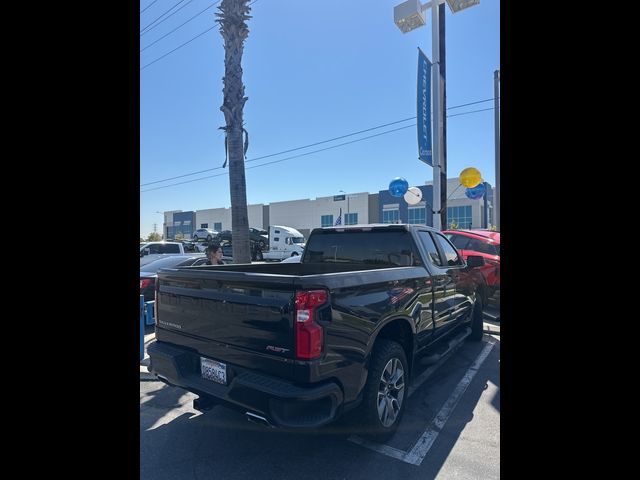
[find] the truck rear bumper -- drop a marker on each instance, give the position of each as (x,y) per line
(281,402)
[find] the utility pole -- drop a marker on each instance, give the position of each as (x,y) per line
(437,118)
(496,112)
(443,144)
(155,227)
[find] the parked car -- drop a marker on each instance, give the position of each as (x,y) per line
(227,251)
(261,237)
(485,243)
(149,272)
(207,234)
(152,251)
(224,236)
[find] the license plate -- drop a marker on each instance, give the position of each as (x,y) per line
(214,371)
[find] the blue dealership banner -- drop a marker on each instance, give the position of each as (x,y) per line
(424,109)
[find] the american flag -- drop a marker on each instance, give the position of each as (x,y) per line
(339,219)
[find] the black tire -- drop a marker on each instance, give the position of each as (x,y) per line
(388,360)
(208,238)
(294,254)
(477,322)
(259,257)
(195,238)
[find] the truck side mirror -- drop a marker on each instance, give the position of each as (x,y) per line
(475,261)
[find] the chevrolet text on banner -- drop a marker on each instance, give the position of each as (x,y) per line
(424,109)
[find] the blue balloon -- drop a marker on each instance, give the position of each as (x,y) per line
(398,187)
(475,192)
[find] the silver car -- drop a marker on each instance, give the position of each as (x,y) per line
(207,234)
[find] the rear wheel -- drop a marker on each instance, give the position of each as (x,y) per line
(385,390)
(195,238)
(208,238)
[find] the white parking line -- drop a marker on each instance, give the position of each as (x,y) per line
(416,455)
(424,443)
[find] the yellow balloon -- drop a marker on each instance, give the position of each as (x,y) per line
(470,177)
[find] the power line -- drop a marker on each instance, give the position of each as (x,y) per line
(167,17)
(167,34)
(142,11)
(285,151)
(472,111)
(200,34)
(471,103)
(318,143)
(185,43)
(283,159)
(289,158)
(174,6)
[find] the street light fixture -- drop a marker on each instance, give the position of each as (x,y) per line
(409,16)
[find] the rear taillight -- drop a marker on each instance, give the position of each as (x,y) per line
(309,335)
(145,282)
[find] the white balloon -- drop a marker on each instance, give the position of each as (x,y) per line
(413,195)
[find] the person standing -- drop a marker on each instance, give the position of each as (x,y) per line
(214,254)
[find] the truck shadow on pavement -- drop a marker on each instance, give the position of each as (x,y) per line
(178,442)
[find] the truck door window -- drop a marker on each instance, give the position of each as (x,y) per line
(154,248)
(430,247)
(170,248)
(451,255)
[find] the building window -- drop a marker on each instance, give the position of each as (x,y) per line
(418,214)
(351,219)
(460,216)
(326,221)
(204,225)
(217,226)
(390,214)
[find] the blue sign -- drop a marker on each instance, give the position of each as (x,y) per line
(424,109)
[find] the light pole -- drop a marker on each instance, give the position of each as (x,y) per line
(496,112)
(409,16)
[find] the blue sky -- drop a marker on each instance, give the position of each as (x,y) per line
(313,70)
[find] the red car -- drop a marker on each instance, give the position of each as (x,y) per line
(485,243)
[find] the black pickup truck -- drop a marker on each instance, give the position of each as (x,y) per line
(298,344)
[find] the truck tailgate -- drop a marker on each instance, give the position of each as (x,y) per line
(250,311)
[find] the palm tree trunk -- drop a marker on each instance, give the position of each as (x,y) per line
(233,27)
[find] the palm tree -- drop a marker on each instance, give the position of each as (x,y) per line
(233,27)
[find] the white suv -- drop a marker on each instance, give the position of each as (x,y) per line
(204,233)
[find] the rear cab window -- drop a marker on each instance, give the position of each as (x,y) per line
(387,248)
